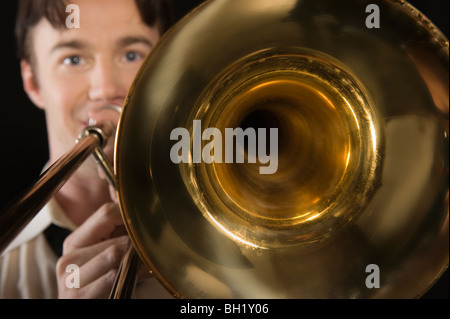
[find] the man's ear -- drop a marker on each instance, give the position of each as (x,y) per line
(30,84)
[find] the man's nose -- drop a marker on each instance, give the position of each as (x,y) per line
(106,86)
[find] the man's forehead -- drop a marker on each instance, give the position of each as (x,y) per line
(101,16)
(89,36)
(108,12)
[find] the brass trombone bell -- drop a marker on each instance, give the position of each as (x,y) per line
(362,178)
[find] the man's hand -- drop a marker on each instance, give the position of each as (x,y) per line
(96,247)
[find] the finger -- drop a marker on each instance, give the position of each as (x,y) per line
(101,287)
(94,263)
(83,255)
(108,259)
(98,289)
(98,227)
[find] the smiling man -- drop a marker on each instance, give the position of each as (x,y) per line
(75,75)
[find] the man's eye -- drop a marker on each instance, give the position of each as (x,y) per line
(72,60)
(132,56)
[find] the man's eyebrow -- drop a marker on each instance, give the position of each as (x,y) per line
(133,40)
(76,44)
(71,44)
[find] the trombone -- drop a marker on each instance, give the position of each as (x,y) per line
(362,179)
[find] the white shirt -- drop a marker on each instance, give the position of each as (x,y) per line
(28,264)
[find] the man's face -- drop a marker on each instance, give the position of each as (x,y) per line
(78,71)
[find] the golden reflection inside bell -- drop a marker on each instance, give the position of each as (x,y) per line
(313,144)
(322,119)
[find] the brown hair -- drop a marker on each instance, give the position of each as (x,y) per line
(30,12)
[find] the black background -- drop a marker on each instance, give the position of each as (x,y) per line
(23,140)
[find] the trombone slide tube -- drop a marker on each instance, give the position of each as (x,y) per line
(18,214)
